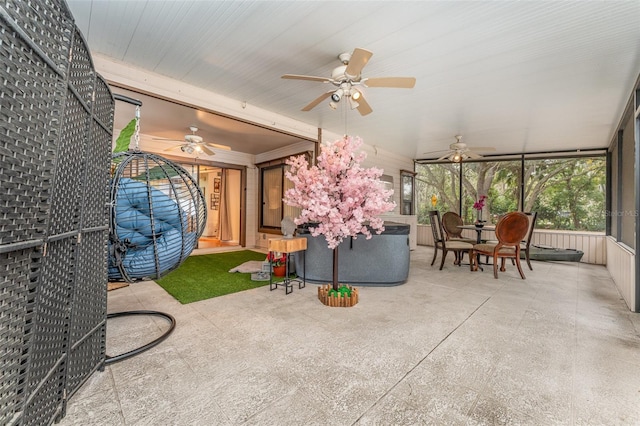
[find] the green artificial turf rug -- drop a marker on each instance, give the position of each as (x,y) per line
(205,276)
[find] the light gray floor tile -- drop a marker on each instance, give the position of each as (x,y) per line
(490,412)
(447,347)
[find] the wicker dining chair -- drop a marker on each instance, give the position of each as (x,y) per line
(440,242)
(450,223)
(510,231)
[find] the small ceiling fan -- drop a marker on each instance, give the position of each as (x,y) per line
(347,77)
(459,151)
(194,144)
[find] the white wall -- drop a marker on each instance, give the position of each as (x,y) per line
(621,262)
(252,207)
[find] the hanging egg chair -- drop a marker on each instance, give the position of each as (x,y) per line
(157,215)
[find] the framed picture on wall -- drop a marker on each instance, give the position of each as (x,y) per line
(216,185)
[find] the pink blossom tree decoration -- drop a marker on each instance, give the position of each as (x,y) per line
(338,196)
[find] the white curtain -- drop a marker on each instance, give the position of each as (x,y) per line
(292,212)
(226,231)
(272,197)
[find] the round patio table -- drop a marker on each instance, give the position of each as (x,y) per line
(478,230)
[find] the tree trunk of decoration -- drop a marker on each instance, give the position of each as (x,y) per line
(335,269)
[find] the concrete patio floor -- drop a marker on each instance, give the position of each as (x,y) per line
(448,347)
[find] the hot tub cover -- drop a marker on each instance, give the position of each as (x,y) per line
(390,228)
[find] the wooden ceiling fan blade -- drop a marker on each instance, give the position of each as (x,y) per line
(316,101)
(172,148)
(363,106)
(206,150)
(307,77)
(436,151)
(444,157)
(395,82)
(482,148)
(358,60)
(473,155)
(216,145)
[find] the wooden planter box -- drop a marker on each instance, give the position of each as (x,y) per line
(337,300)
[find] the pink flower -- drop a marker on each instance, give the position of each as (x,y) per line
(337,193)
(479,205)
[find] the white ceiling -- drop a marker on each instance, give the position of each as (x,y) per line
(519,76)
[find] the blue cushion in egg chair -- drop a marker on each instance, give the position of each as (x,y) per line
(150,230)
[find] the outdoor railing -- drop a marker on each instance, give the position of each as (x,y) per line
(593,244)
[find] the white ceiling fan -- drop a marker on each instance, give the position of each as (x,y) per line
(347,78)
(459,151)
(194,144)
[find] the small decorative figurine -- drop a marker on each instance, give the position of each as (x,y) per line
(288,227)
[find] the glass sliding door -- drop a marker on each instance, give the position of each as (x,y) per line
(222,189)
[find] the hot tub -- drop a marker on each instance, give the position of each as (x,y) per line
(381,261)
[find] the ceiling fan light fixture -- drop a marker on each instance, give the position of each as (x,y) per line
(456,157)
(353,103)
(337,95)
(349,74)
(187,148)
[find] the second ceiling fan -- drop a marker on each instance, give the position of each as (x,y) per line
(194,144)
(459,151)
(347,77)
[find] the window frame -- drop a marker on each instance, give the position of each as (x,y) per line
(594,153)
(407,178)
(271,165)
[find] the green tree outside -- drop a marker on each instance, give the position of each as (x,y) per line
(567,193)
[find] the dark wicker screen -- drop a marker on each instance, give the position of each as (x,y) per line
(56,120)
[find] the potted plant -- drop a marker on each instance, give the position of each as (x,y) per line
(338,197)
(278,263)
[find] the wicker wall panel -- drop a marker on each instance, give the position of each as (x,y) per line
(95,210)
(48,23)
(49,341)
(54,168)
(70,155)
(103,104)
(88,320)
(45,405)
(16,317)
(29,114)
(81,74)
